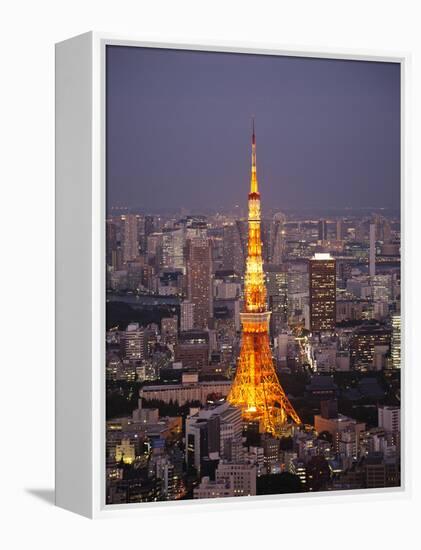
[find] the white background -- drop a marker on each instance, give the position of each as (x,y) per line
(29,30)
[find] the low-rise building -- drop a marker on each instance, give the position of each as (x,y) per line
(189,390)
(213,489)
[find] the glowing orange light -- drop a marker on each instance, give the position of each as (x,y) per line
(256,388)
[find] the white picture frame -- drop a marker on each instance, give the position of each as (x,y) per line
(80,275)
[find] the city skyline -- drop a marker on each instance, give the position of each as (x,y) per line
(248,351)
(335,144)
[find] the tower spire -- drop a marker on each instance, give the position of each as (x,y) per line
(254,188)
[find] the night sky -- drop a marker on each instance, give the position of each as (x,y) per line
(179,125)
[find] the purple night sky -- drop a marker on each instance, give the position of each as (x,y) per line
(179,130)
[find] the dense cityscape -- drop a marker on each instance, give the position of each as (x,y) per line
(178,303)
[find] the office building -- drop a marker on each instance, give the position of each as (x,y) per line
(132,342)
(188,390)
(233,248)
(322,282)
(363,343)
(240,477)
(213,432)
(202,440)
(277,293)
(213,489)
(322,230)
(389,418)
(169,329)
(339,230)
(186,315)
(192,349)
(173,241)
(336,425)
(130,237)
(199,280)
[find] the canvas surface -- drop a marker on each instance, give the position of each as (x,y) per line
(253,275)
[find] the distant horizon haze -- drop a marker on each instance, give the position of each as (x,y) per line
(179,131)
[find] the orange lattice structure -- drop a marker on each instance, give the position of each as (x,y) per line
(256,388)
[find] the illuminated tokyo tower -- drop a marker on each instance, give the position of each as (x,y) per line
(256,388)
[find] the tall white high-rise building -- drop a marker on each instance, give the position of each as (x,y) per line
(339,230)
(133,342)
(389,418)
(322,230)
(173,241)
(154,244)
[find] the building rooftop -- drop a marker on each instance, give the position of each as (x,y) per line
(322,256)
(321,381)
(339,418)
(180,386)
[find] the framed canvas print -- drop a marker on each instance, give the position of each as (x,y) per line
(230,306)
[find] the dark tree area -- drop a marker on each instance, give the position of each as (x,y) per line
(306,410)
(119,405)
(278,484)
(294,384)
(122,398)
(170,409)
(362,411)
(121,314)
(354,394)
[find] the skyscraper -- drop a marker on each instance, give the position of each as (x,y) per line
(273,239)
(322,278)
(277,290)
(199,280)
(130,237)
(154,248)
(111,239)
(322,230)
(339,230)
(114,254)
(364,341)
(173,248)
(193,349)
(256,389)
(389,418)
(133,342)
(232,248)
(149,225)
